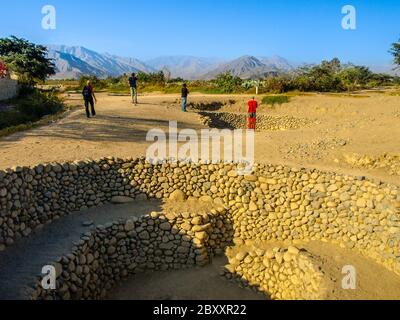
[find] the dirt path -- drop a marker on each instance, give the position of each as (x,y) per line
(119,130)
(20,263)
(190,284)
(364,125)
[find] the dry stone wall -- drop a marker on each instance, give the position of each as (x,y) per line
(281,273)
(274,203)
(114,251)
(223,120)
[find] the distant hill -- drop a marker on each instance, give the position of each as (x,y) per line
(277,62)
(74,61)
(71,67)
(388,68)
(186,67)
(77,61)
(246,67)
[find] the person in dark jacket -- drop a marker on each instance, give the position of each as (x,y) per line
(185,93)
(90,98)
(133,86)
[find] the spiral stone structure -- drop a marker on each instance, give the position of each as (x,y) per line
(273,204)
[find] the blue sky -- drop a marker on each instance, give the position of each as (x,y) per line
(302,31)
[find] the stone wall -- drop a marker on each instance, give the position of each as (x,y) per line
(122,248)
(8,89)
(223,120)
(281,273)
(275,203)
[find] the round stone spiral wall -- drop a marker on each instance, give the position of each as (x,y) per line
(274,203)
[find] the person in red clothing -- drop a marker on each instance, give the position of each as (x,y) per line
(252,114)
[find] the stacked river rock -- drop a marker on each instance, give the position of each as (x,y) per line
(225,120)
(274,203)
(281,273)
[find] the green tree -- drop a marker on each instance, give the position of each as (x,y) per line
(395,51)
(96,82)
(28,60)
(323,77)
(152,77)
(355,77)
(227,82)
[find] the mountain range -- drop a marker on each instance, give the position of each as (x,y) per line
(186,67)
(73,62)
(250,67)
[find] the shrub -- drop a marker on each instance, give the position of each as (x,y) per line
(98,84)
(273,100)
(276,84)
(30,108)
(228,83)
(39,104)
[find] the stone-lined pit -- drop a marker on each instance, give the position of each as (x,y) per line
(223,120)
(275,203)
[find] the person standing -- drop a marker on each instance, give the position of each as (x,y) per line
(185,93)
(252,111)
(89,98)
(133,86)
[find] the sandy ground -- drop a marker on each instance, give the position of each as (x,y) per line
(20,263)
(190,284)
(373,282)
(368,123)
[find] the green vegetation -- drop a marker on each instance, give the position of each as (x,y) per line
(395,51)
(329,76)
(29,108)
(32,106)
(153,82)
(31,125)
(273,100)
(28,60)
(227,83)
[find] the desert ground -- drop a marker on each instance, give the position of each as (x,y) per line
(356,134)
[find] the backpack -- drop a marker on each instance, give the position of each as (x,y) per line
(87,92)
